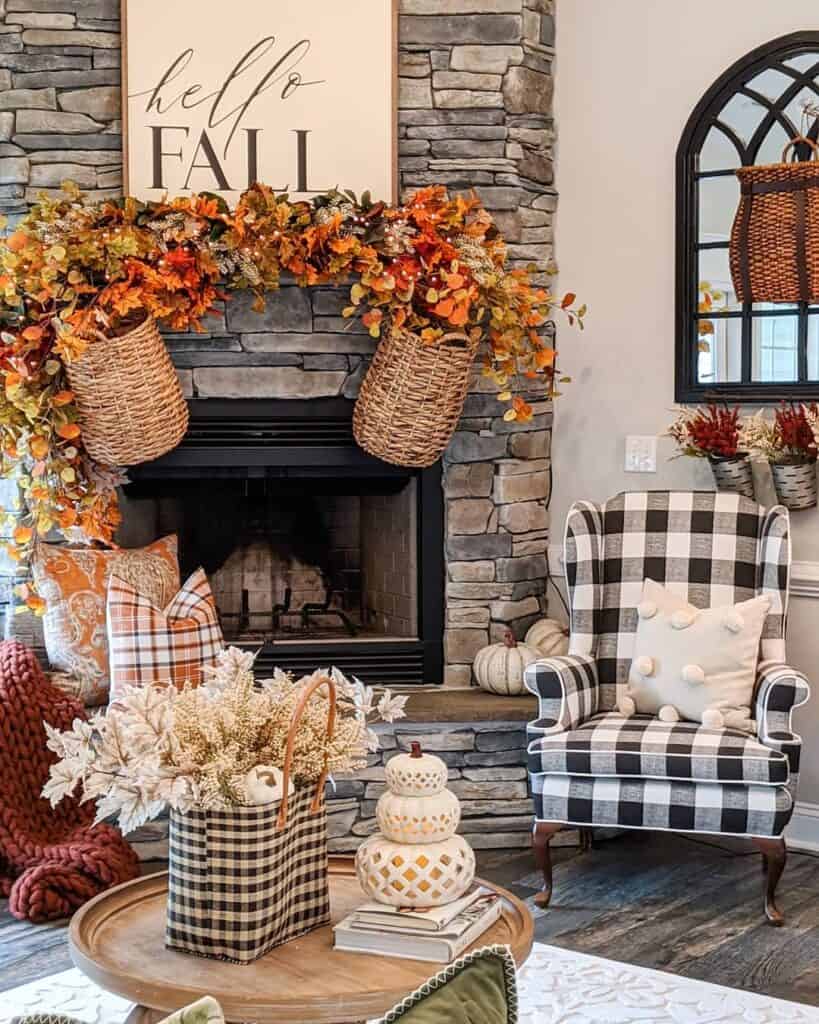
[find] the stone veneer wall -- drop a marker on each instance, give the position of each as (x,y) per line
(486,772)
(475,111)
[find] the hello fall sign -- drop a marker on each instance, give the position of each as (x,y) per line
(298,94)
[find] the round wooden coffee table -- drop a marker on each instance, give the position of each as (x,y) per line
(117,940)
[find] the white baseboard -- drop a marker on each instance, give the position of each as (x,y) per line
(802,832)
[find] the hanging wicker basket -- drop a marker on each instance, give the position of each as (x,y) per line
(412,397)
(774,251)
(130,402)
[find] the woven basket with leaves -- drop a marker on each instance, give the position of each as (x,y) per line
(774,250)
(412,397)
(130,402)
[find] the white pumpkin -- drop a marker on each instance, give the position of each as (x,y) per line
(264,784)
(418,819)
(415,773)
(550,637)
(499,667)
(420,875)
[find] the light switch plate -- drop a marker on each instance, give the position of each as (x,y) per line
(641,453)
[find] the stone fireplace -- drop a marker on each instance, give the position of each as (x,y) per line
(474,112)
(475,104)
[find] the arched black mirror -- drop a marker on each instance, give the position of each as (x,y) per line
(754,352)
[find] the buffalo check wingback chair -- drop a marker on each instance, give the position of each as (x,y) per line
(590,766)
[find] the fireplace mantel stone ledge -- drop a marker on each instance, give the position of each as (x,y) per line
(443,704)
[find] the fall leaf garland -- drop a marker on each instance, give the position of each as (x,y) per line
(72,273)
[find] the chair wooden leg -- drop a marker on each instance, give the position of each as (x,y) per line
(541,837)
(774,854)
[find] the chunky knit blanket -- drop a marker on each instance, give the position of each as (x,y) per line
(52,860)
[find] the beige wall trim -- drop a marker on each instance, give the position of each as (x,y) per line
(556,566)
(802,832)
(805,579)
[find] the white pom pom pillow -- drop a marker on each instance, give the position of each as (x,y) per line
(695,664)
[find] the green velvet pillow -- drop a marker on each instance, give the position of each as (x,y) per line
(477,989)
(203,1011)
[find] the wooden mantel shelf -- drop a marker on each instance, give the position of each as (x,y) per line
(474,705)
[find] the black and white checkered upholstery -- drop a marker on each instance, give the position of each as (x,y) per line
(567,689)
(711,549)
(610,744)
(237,886)
(662,804)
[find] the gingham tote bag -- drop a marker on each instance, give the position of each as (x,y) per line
(247,879)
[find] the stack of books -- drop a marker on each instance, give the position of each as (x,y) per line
(439,934)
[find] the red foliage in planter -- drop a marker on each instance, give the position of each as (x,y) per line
(794,434)
(714,431)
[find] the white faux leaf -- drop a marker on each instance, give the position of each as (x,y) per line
(62,781)
(391,706)
(56,740)
(364,699)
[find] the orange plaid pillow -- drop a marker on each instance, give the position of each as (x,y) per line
(73,582)
(148,644)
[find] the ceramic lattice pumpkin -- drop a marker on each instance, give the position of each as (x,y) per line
(418,819)
(499,667)
(416,807)
(415,773)
(416,860)
(415,875)
(549,637)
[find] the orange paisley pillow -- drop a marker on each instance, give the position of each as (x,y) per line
(74,582)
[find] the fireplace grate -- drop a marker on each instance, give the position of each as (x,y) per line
(220,433)
(382,664)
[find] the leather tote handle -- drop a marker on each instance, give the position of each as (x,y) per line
(291,743)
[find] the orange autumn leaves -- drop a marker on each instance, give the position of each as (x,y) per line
(70,273)
(73,273)
(442,268)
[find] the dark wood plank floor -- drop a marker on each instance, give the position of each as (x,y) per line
(658,900)
(668,902)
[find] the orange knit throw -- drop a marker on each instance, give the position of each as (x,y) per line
(52,860)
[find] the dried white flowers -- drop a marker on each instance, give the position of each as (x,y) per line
(194,747)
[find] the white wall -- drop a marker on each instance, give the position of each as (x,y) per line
(629,73)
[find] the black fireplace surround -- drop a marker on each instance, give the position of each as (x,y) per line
(241,460)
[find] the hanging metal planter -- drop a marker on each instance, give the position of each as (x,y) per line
(733,473)
(795,483)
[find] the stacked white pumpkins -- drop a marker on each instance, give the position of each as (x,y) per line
(416,860)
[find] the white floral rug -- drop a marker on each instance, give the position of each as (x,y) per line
(556,987)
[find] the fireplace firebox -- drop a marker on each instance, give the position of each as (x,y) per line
(318,554)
